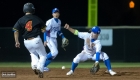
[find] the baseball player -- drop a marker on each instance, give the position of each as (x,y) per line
(30,26)
(53,28)
(91,51)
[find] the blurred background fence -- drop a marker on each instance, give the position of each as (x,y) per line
(121,43)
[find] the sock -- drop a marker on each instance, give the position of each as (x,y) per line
(74,65)
(107,63)
(97,56)
(48,60)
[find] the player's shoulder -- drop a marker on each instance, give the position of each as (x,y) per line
(30,16)
(49,20)
(21,19)
(84,32)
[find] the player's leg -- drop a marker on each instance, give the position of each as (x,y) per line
(105,58)
(34,61)
(81,57)
(48,60)
(36,46)
(40,49)
(52,44)
(107,63)
(33,54)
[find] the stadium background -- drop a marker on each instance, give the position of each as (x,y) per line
(111,13)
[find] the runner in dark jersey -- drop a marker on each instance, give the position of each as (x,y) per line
(31,26)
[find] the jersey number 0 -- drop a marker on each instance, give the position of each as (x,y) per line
(29,26)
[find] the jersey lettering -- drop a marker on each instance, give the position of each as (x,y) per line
(28,26)
(54,29)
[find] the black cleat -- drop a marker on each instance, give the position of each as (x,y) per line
(40,74)
(35,71)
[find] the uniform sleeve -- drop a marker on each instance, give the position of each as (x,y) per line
(60,32)
(82,35)
(98,46)
(17,26)
(60,26)
(48,24)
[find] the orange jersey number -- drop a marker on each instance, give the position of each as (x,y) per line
(29,26)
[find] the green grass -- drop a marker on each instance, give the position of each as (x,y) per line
(68,64)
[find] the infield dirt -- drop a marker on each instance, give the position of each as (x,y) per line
(80,74)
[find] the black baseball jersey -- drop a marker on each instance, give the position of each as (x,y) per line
(29,26)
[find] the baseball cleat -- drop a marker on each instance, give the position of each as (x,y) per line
(112,73)
(46,69)
(69,73)
(40,74)
(35,71)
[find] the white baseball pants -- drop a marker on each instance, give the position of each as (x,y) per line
(83,56)
(52,44)
(36,48)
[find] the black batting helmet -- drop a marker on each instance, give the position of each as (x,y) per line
(28,7)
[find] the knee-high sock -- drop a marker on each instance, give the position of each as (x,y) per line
(97,56)
(74,65)
(107,63)
(48,60)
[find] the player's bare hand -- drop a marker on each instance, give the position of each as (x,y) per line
(43,30)
(66,26)
(17,45)
(45,43)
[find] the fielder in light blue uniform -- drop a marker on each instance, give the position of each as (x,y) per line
(53,28)
(91,51)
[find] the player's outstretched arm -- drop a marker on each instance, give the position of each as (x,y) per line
(74,31)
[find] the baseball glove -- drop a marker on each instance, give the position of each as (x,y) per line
(65,43)
(95,68)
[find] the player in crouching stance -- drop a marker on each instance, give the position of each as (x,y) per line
(92,50)
(53,28)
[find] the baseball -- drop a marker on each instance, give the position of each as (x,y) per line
(63,67)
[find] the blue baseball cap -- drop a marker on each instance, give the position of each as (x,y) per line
(96,30)
(55,10)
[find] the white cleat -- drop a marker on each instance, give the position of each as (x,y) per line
(112,73)
(69,73)
(46,69)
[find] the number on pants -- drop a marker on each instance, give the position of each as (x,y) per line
(29,26)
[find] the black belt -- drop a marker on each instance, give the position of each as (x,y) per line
(30,38)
